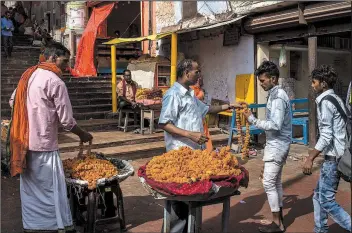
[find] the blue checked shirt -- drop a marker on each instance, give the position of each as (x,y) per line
(277,126)
(6,23)
(181,108)
(332,128)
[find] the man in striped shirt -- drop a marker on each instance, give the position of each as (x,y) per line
(331,144)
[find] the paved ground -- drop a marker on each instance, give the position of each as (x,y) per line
(144,214)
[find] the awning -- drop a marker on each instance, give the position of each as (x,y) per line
(215,25)
(137,39)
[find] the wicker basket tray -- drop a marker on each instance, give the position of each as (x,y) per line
(125,169)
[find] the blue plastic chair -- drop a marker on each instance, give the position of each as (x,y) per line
(300,121)
(253,130)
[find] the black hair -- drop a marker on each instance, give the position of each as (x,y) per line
(126,70)
(55,49)
(183,66)
(268,68)
(325,73)
(7,12)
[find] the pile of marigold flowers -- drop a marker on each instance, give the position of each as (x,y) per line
(186,165)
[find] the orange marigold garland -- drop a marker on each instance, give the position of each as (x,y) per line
(242,143)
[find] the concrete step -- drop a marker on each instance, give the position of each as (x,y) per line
(93,101)
(107,140)
(69,82)
(93,88)
(74,102)
(74,92)
(90,95)
(91,115)
(16,53)
(69,78)
(97,125)
(91,108)
(19,48)
(13,72)
(14,63)
(82,114)
(141,150)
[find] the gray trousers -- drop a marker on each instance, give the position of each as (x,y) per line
(8,44)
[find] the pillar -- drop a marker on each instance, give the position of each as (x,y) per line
(113,78)
(262,55)
(312,63)
(173,58)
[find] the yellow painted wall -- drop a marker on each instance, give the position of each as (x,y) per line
(245,88)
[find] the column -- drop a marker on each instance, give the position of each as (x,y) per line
(312,63)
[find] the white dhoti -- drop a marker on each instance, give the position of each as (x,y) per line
(45,205)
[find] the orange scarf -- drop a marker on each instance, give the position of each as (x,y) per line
(19,131)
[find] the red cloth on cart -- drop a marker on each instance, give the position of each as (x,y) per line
(197,188)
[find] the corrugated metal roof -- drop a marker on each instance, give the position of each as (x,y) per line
(197,25)
(222,23)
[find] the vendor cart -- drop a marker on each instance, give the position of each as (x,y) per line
(93,207)
(218,193)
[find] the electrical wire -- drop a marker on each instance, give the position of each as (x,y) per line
(130,24)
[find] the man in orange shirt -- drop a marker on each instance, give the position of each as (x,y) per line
(126,91)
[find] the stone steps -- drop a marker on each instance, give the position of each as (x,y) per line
(140,149)
(91,115)
(90,96)
(91,108)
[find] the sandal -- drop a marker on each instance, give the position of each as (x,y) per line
(271,228)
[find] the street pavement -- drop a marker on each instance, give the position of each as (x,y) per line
(248,210)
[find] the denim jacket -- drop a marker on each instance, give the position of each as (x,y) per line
(277,125)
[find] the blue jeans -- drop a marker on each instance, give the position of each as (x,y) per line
(324,200)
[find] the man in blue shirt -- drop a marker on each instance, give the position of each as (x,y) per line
(181,118)
(277,126)
(331,144)
(6,33)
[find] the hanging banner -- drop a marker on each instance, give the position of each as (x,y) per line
(84,65)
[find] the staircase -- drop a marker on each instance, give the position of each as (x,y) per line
(90,97)
(91,101)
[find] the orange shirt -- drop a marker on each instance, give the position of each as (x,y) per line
(129,91)
(198,92)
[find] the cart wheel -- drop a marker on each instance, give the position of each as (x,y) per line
(91,213)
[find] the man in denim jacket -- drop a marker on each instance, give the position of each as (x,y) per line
(331,144)
(278,128)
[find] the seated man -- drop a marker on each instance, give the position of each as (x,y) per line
(126,92)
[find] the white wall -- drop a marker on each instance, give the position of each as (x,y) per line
(220,64)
